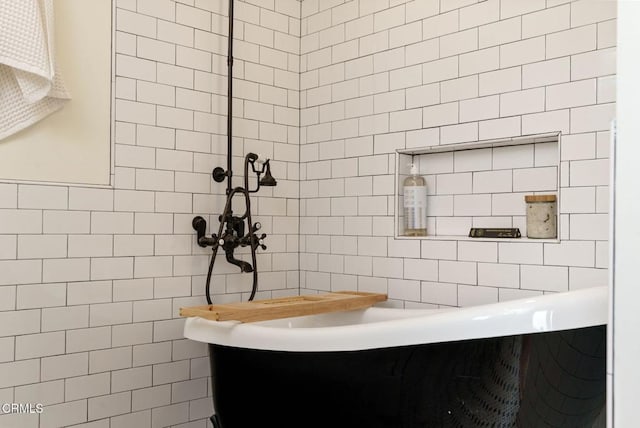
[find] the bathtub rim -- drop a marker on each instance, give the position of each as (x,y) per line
(551,312)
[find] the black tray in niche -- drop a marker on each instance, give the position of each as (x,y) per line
(483,232)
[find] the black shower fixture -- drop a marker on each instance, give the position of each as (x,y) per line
(235,230)
(268,179)
(219,174)
(231,233)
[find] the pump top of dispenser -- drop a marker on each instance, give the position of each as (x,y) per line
(413,169)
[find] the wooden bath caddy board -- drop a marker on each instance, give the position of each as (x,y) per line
(263,310)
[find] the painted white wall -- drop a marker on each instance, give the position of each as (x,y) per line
(626,293)
(91,279)
(73,145)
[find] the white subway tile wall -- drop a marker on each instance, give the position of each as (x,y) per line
(474,70)
(91,279)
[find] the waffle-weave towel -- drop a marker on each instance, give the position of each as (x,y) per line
(31,87)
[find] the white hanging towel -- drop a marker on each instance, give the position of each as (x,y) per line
(30,84)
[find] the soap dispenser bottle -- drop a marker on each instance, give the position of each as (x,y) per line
(415,204)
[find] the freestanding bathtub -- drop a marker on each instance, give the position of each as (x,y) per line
(537,362)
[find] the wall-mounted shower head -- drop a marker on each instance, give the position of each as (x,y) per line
(268,179)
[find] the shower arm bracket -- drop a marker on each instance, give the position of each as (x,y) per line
(219,174)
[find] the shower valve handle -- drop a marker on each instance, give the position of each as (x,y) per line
(261,241)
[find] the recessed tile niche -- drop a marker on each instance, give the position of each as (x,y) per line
(480,184)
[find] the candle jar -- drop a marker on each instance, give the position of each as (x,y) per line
(541,216)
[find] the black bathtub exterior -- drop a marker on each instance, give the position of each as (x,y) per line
(554,379)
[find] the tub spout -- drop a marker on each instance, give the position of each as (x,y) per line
(244,266)
(229,242)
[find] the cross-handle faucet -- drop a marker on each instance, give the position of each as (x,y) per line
(231,233)
(230,241)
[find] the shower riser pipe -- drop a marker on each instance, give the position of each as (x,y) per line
(230,98)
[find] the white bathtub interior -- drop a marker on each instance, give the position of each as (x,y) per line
(379,327)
